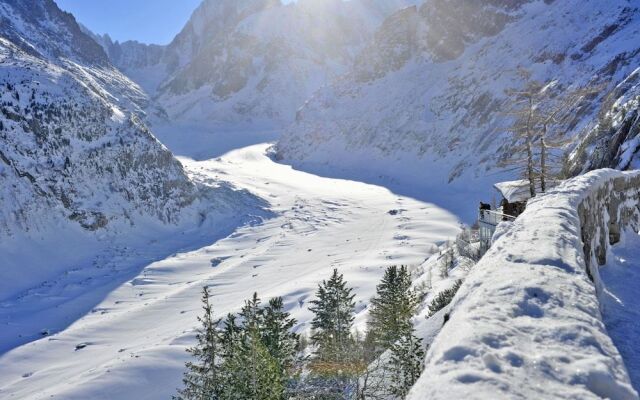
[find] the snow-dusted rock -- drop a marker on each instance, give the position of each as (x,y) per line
(251,61)
(73,143)
(614,141)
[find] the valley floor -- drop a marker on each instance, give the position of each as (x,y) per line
(132,344)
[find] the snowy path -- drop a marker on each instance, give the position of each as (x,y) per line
(131,346)
(620,303)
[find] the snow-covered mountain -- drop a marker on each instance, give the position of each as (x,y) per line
(72,137)
(429,90)
(77,161)
(251,61)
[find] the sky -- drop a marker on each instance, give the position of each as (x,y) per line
(147,21)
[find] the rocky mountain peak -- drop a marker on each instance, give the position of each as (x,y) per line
(39,26)
(233,60)
(74,148)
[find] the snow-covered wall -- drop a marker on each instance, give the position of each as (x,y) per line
(526,323)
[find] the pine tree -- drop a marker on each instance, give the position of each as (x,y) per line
(263,379)
(232,366)
(544,113)
(444,298)
(252,314)
(257,353)
(392,308)
(335,364)
(406,363)
(277,336)
(331,325)
(447,260)
(250,372)
(203,380)
(230,335)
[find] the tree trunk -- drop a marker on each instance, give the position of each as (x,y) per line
(543,162)
(530,172)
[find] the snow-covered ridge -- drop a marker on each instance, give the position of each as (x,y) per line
(526,323)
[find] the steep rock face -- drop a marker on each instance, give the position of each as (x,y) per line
(452,25)
(41,28)
(129,54)
(614,141)
(438,31)
(430,88)
(252,61)
(73,147)
(394,44)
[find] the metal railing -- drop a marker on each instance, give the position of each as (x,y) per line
(488,220)
(493,218)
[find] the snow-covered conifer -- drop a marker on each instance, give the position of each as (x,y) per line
(392,308)
(203,380)
(406,364)
(334,314)
(277,335)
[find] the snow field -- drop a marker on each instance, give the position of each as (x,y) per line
(131,344)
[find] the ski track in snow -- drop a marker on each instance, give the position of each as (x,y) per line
(132,344)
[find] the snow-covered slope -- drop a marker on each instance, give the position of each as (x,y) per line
(251,61)
(76,159)
(621,314)
(429,90)
(135,318)
(526,322)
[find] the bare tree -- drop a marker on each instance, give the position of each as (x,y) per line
(446,259)
(543,114)
(556,114)
(374,381)
(524,110)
